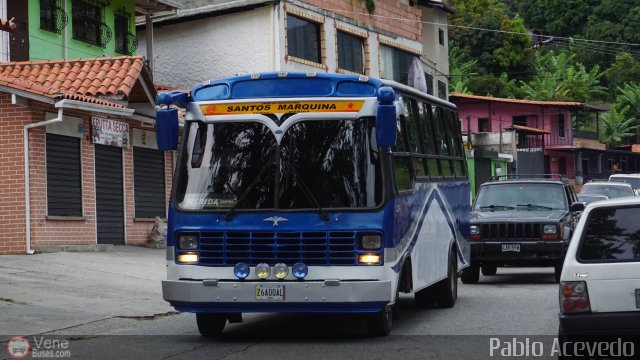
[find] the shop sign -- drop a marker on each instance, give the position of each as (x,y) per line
(109,132)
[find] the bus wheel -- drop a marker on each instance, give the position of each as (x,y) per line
(471,275)
(446,291)
(211,324)
(380,323)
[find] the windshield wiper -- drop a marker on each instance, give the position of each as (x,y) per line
(494,207)
(229,215)
(305,190)
(536,206)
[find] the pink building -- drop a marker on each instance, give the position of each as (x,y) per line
(546,139)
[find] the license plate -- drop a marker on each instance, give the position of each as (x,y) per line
(638,298)
(510,247)
(270,292)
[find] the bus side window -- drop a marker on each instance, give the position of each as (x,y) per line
(199,143)
(411,121)
(443,137)
(429,140)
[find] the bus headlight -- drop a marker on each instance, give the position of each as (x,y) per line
(371,242)
(188,258)
(280,270)
(299,270)
(241,270)
(369,259)
(263,271)
(188,242)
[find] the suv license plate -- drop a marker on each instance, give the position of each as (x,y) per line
(270,292)
(510,247)
(638,298)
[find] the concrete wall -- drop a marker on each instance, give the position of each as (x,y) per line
(45,231)
(192,51)
(436,57)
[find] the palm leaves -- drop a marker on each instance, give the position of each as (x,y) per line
(616,126)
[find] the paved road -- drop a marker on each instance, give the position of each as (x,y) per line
(514,304)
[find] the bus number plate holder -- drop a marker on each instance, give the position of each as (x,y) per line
(270,292)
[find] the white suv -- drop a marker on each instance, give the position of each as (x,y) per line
(631,179)
(600,280)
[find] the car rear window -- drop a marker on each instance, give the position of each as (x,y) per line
(612,191)
(611,235)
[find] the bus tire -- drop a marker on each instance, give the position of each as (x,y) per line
(211,324)
(471,274)
(381,322)
(446,291)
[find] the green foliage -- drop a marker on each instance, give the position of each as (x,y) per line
(461,71)
(559,78)
(490,85)
(495,51)
(371,6)
(629,98)
(624,70)
(615,126)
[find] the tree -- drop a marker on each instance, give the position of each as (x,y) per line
(629,98)
(616,126)
(460,71)
(559,78)
(490,85)
(624,70)
(495,51)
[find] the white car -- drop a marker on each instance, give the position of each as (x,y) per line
(609,189)
(631,179)
(600,280)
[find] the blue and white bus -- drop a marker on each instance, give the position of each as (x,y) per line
(311,192)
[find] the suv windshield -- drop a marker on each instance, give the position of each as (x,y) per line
(611,191)
(633,181)
(611,235)
(521,196)
(241,162)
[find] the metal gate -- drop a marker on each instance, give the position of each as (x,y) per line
(109,195)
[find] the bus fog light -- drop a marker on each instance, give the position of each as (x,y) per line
(188,242)
(188,258)
(263,271)
(299,270)
(371,242)
(280,270)
(241,270)
(369,259)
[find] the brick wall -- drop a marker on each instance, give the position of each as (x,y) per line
(393,16)
(12,205)
(45,231)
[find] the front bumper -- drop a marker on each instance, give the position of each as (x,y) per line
(299,296)
(530,251)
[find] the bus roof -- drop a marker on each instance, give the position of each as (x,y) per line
(299,85)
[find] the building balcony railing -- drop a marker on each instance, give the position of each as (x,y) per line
(554,139)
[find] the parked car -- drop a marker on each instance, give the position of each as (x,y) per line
(608,189)
(520,222)
(631,179)
(589,198)
(600,281)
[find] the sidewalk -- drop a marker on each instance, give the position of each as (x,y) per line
(46,292)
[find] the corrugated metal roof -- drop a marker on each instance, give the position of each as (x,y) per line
(454,96)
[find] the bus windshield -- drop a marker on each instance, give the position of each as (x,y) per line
(240,165)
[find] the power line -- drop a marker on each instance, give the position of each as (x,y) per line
(483,29)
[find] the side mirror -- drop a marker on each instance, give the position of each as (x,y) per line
(577,206)
(167,129)
(566,234)
(386,117)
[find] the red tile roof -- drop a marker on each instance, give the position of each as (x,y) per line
(529,130)
(78,79)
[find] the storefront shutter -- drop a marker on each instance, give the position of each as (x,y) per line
(148,180)
(64,178)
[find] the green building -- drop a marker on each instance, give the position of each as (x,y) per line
(68,29)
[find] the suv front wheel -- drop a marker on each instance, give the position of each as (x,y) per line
(471,275)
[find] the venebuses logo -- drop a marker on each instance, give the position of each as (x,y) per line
(18,347)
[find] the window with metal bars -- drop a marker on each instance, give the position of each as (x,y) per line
(48,15)
(88,22)
(121,30)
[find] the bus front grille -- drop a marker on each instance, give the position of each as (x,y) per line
(227,248)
